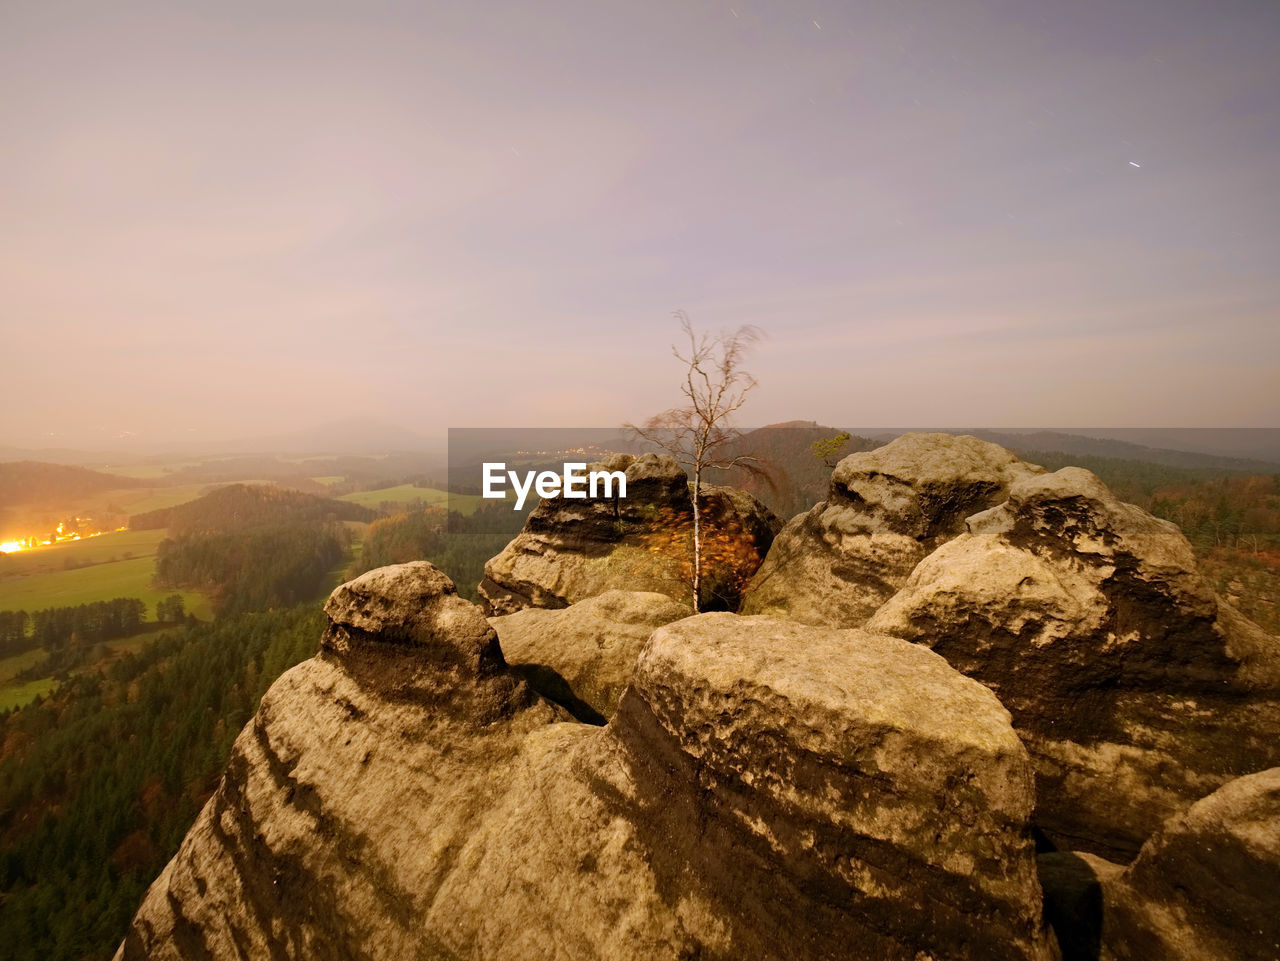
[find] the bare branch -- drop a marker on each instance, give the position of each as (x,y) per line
(716,387)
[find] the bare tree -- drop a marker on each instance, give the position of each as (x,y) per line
(698,432)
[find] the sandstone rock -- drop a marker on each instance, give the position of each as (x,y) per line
(885,511)
(1135,691)
(795,760)
(570,550)
(765,791)
(582,656)
(1206,886)
(410,604)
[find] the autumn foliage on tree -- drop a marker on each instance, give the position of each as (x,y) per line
(729,555)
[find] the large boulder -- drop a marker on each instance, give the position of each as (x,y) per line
(885,511)
(572,549)
(797,763)
(1136,691)
(765,790)
(1206,886)
(582,656)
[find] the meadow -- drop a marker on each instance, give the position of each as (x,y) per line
(150,471)
(118,564)
(11,667)
(143,499)
(405,494)
(17,695)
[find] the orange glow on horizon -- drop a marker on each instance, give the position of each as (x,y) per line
(35,543)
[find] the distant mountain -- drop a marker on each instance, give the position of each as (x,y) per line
(1248,443)
(794,477)
(93,459)
(353,436)
(343,437)
(1092,446)
(37,484)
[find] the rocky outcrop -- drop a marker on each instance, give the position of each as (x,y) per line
(885,511)
(582,656)
(1134,689)
(765,790)
(1206,887)
(572,549)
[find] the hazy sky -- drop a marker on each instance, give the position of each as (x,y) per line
(228,219)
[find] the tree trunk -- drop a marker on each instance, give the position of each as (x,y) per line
(697,539)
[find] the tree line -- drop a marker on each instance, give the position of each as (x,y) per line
(253,570)
(1214,508)
(56,627)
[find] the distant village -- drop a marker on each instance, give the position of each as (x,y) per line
(74,529)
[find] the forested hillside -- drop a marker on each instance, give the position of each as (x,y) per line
(458,544)
(253,570)
(1081,447)
(99,783)
(33,482)
(1210,505)
(787,472)
(243,506)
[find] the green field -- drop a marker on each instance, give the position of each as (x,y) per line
(19,694)
(11,667)
(407,493)
(127,500)
(119,564)
(101,582)
(145,499)
(16,694)
(49,577)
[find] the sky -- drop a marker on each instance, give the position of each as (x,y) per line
(235,219)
